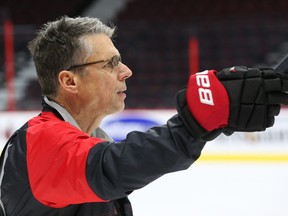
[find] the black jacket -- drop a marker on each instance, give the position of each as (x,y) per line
(49,167)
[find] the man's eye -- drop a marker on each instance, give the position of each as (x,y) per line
(109,65)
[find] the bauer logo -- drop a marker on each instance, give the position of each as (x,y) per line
(118,128)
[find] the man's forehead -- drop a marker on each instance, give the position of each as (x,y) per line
(102,45)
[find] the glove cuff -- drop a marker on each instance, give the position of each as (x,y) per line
(208,100)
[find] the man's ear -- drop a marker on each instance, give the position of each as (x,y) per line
(67,81)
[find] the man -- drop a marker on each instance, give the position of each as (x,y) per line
(62,163)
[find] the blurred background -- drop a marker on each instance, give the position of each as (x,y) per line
(163,42)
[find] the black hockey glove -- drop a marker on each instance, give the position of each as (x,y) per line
(234,99)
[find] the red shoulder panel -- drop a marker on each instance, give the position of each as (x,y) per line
(56,160)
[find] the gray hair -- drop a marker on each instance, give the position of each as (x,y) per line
(59,44)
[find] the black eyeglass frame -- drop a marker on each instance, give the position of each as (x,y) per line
(114,61)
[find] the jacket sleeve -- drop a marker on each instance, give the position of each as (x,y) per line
(114,170)
(66,166)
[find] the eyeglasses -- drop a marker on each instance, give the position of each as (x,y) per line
(113,62)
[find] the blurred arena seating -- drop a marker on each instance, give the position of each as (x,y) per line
(38,12)
(202,9)
(153,37)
